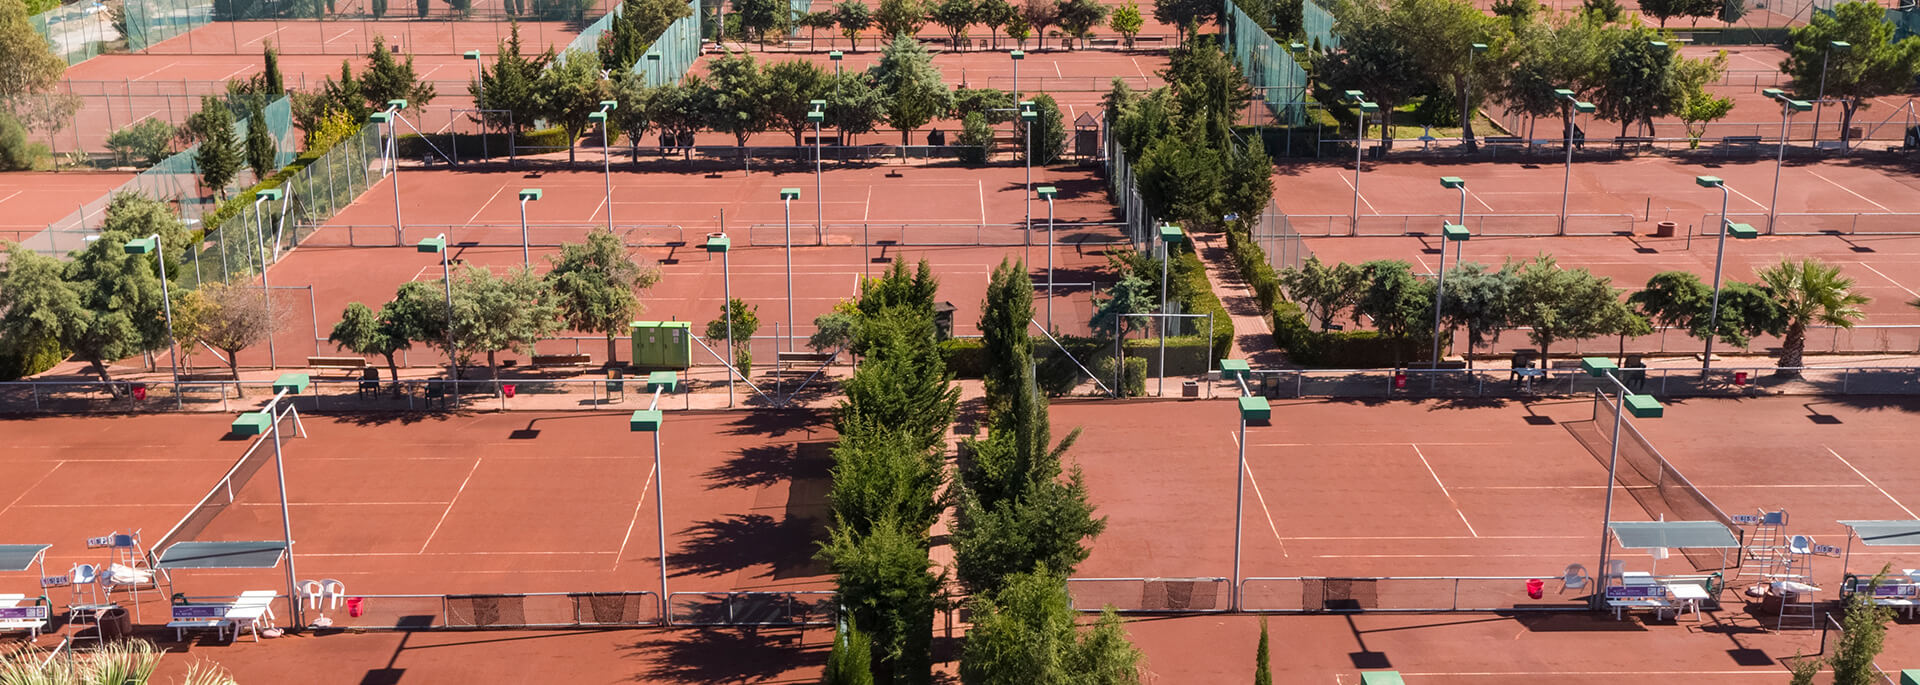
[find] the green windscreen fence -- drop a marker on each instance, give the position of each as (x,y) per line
(1277,80)
(76,32)
(152,21)
(247,241)
(674,52)
(589,38)
(1319,25)
(797,9)
(175,179)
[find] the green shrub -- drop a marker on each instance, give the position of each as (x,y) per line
(976,139)
(965,357)
(17,152)
(1187,355)
(144,143)
(1135,381)
(1196,296)
(18,361)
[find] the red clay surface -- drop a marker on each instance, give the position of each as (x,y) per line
(507,502)
(354,37)
(1432,489)
(32,199)
(691,287)
(1886,268)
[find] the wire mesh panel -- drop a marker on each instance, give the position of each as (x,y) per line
(1270,68)
(674,52)
(615,608)
(753,608)
(1318,23)
(1151,595)
(225,491)
(151,21)
(76,32)
(1409,594)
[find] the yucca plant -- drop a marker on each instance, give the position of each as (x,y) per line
(207,674)
(30,667)
(1810,291)
(117,663)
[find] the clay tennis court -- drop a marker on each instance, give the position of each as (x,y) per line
(506,502)
(963,221)
(31,199)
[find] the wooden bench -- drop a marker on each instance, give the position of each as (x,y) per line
(347,363)
(562,359)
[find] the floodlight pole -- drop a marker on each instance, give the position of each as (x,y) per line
(1719,257)
(787,196)
(606,155)
(1251,406)
(1787,107)
(166,302)
(266,287)
(1027,118)
(1606,513)
(286,516)
(1440,288)
(1049,261)
(526,251)
(1166,257)
(726,312)
(1573,105)
(818,115)
(660,508)
(1358,99)
(1820,100)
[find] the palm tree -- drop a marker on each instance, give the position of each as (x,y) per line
(1810,291)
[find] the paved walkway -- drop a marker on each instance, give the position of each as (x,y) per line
(1252,330)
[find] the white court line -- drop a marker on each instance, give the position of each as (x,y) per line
(982,187)
(1895,283)
(1367,444)
(1443,489)
(644,489)
(162,68)
(1869,481)
(1441,537)
(1476,198)
(1136,67)
(866,209)
(1436,556)
(1263,502)
(1363,196)
(1743,196)
(343,34)
(1056,70)
(1817,175)
(444,554)
(234,73)
(483,205)
(449,509)
(11,195)
(23,493)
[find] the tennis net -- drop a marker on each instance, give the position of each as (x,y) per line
(226,491)
(1659,487)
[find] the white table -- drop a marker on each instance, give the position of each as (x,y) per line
(253,608)
(1690,595)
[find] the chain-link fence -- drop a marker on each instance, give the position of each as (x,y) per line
(309,197)
(674,52)
(1319,26)
(1126,194)
(77,32)
(1277,80)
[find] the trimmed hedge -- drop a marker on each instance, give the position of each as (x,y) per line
(1305,346)
(21,361)
(1187,355)
(239,202)
(1190,286)
(412,145)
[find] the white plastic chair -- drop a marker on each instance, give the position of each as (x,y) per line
(84,578)
(333,591)
(1575,578)
(1800,544)
(1616,570)
(310,591)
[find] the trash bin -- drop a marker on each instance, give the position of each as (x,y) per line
(507,389)
(1399,381)
(1536,588)
(1190,389)
(356,606)
(1664,229)
(115,624)
(139,392)
(1739,378)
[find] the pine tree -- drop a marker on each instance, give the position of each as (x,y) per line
(275,84)
(219,156)
(261,151)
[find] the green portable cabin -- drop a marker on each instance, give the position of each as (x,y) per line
(662,344)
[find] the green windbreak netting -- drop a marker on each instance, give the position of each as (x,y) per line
(1277,80)
(589,38)
(674,52)
(175,179)
(797,9)
(152,21)
(1319,26)
(259,235)
(77,32)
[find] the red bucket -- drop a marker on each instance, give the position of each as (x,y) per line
(1739,378)
(1536,588)
(1399,381)
(140,392)
(356,606)
(507,389)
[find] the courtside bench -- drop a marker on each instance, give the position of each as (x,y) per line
(1623,598)
(187,617)
(16,614)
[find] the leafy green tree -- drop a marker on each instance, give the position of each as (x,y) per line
(885,473)
(270,77)
(834,329)
(623,44)
(362,331)
(813,22)
(955,16)
(1047,525)
(1249,184)
(1803,669)
(898,18)
(594,283)
(37,303)
(389,79)
(1398,304)
(1569,52)
(1810,291)
(492,313)
(1438,34)
(792,86)
(904,381)
(1079,17)
(1863,634)
(103,306)
(1478,299)
(679,108)
(762,17)
(1127,21)
(1185,12)
(1180,180)
(1698,108)
(633,118)
(1040,14)
(853,16)
(1372,59)
(975,140)
(994,14)
(507,88)
(570,91)
(1262,664)
(994,105)
(32,67)
(1678,299)
(1517,11)
(1130,295)
(1018,29)
(139,216)
(345,95)
(1026,634)
(906,78)
(1559,304)
(1731,11)
(1324,291)
(144,143)
(1609,11)
(1876,65)
(854,107)
(739,89)
(746,322)
(1662,10)
(850,661)
(887,585)
(261,150)
(219,155)
(1050,130)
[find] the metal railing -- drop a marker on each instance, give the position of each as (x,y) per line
(1506,225)
(1819,223)
(781,608)
(504,611)
(1310,594)
(1662,382)
(805,234)
(1197,595)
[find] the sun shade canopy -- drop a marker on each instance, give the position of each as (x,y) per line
(16,558)
(1657,534)
(1886,533)
(212,555)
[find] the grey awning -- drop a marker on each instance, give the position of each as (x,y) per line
(17,558)
(1670,534)
(210,555)
(1886,533)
